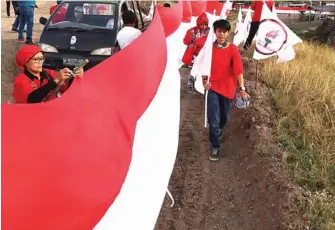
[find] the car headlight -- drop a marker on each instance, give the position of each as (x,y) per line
(48,48)
(104,51)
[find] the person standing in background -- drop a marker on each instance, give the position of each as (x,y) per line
(195,39)
(26,9)
(52,9)
(128,33)
(257,7)
(8,7)
(15,25)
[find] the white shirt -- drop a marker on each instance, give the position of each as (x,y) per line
(127,35)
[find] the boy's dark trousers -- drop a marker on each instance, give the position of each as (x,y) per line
(218,113)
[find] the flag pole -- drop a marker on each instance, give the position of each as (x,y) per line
(257,68)
(206,119)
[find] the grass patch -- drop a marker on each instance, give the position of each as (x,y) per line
(304,90)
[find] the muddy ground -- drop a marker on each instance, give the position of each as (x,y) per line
(245,190)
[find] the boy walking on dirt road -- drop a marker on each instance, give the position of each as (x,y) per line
(226,71)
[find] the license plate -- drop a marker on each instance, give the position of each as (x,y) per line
(72,61)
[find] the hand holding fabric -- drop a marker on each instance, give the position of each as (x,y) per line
(205,82)
(243,94)
(64,74)
(192,36)
(79,72)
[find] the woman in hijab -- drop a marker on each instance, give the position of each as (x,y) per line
(195,39)
(34,83)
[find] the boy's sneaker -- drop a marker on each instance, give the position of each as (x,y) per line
(214,155)
(20,39)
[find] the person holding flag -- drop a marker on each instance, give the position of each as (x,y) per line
(195,39)
(226,71)
(257,7)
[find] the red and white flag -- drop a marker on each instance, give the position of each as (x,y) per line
(228,5)
(274,11)
(247,24)
(274,37)
(203,62)
(239,30)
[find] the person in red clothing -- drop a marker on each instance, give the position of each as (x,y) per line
(34,83)
(101,10)
(52,9)
(59,15)
(195,39)
(226,72)
(257,7)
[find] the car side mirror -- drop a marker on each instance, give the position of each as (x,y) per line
(43,20)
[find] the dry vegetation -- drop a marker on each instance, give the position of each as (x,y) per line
(304,93)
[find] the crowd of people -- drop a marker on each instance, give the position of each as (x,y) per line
(35,83)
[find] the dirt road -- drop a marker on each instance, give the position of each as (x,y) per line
(240,192)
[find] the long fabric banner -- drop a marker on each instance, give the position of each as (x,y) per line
(106,149)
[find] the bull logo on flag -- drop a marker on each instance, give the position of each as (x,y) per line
(271,37)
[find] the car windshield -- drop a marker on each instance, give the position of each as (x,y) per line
(84,15)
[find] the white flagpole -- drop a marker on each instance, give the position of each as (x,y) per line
(257,69)
(206,119)
(206,72)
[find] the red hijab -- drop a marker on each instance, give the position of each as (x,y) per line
(25,54)
(202,19)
